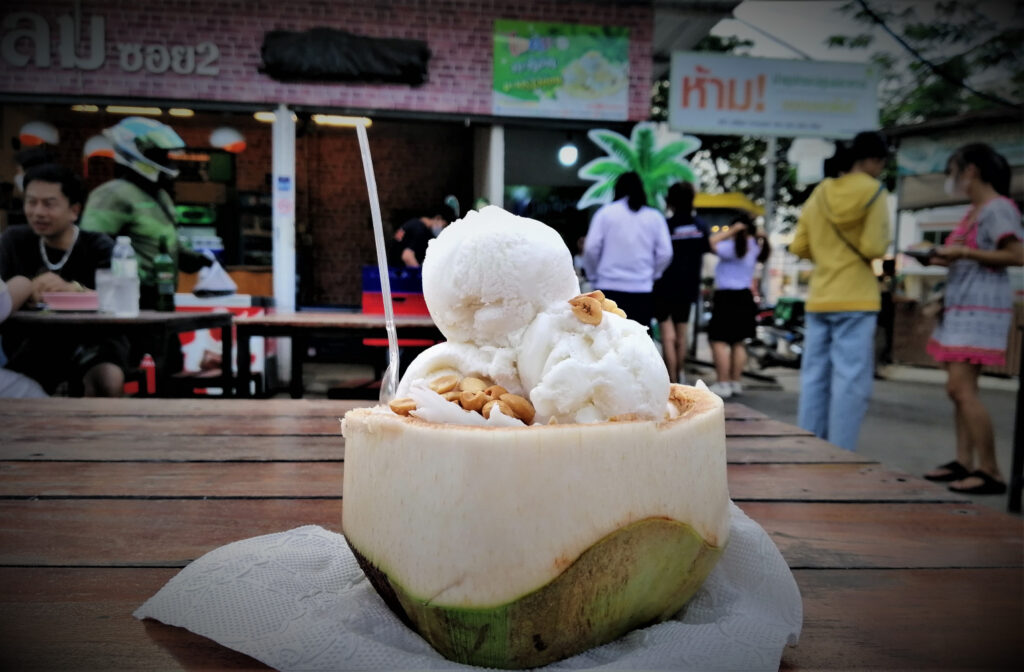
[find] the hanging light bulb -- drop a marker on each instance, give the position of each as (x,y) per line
(568,154)
(228,139)
(37,133)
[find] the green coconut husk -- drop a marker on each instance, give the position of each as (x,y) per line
(641,574)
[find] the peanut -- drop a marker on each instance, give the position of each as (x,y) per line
(501,405)
(452,395)
(586,309)
(402,406)
(521,407)
(444,384)
(596,294)
(495,392)
(473,384)
(612,307)
(473,400)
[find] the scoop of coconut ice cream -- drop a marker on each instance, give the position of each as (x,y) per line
(487,362)
(579,372)
(486,276)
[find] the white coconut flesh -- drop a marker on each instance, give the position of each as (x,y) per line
(475,518)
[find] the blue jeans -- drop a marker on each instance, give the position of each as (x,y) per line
(836,373)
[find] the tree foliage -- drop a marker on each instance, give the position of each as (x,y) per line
(958,49)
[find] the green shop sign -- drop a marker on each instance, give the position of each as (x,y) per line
(560,70)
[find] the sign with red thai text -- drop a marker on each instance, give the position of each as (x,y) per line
(737,95)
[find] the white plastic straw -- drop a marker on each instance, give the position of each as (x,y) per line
(389,385)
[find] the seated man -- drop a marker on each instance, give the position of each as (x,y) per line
(58,257)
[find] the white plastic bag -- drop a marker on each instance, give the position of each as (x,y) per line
(214,280)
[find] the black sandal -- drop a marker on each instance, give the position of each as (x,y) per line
(957,472)
(988,486)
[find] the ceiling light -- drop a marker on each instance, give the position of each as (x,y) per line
(268,117)
(341,121)
(180,112)
(568,154)
(85,108)
(131,109)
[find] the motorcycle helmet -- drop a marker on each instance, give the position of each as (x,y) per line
(143,144)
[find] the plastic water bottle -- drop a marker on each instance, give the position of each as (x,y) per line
(125,269)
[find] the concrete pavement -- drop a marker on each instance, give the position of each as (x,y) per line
(909,424)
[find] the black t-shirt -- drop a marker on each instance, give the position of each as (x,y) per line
(416,236)
(690,236)
(19,255)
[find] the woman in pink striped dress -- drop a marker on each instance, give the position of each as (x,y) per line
(978,309)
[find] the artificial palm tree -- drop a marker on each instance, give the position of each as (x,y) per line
(658,158)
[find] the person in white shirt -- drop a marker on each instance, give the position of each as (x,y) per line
(627,248)
(15,385)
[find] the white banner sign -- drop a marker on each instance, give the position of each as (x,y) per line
(736,95)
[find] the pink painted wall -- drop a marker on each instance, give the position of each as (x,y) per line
(458,33)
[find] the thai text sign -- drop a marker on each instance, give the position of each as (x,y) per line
(735,95)
(26,40)
(560,70)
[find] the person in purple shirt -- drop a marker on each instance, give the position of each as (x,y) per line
(733,317)
(627,248)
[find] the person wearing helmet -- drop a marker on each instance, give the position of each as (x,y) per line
(138,204)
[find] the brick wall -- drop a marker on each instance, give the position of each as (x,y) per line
(415,164)
(458,33)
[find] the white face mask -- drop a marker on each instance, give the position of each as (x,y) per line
(952,187)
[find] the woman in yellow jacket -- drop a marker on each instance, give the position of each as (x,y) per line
(843,226)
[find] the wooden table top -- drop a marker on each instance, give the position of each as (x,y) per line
(103,501)
(182,320)
(327,319)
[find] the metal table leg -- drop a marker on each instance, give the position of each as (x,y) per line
(1017,469)
(244,364)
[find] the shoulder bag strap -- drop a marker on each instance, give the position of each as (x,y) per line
(843,238)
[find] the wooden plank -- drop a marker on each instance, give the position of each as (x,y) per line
(170,479)
(107,447)
(26,427)
(831,483)
(142,532)
(108,532)
(59,407)
(756,427)
(81,619)
(891,536)
(17,429)
(62,407)
(771,482)
(101,448)
(962,619)
(335,320)
(761,449)
(864,619)
(736,411)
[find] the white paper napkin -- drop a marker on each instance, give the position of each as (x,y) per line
(297,600)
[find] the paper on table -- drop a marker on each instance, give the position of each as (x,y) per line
(297,600)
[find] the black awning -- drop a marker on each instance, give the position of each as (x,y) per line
(330,55)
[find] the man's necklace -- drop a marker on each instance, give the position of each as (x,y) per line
(63,260)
